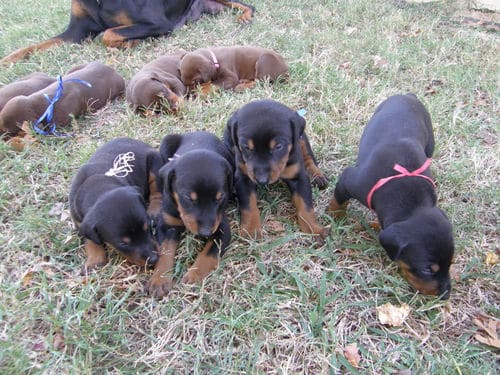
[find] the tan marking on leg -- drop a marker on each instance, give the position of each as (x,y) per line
(307,218)
(155,196)
(111,39)
(171,220)
(123,19)
(202,266)
(317,177)
(96,256)
(338,211)
(161,281)
(375,225)
(250,219)
(244,85)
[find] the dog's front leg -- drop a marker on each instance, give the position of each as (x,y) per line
(246,192)
(208,259)
(161,281)
(300,188)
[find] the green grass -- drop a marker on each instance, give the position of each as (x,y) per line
(278,305)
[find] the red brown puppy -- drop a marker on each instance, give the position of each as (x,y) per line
(157,87)
(87,88)
(24,86)
(234,68)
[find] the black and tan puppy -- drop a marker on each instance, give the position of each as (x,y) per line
(85,89)
(234,68)
(24,86)
(124,22)
(110,198)
(270,143)
(392,177)
(157,87)
(197,185)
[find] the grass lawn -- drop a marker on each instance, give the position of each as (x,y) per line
(277,305)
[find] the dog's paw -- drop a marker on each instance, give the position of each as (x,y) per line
(159,287)
(320,181)
(193,276)
(89,267)
(252,233)
(337,211)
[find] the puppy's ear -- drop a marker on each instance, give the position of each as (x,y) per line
(391,241)
(298,124)
(231,132)
(229,173)
(167,177)
(88,228)
(169,146)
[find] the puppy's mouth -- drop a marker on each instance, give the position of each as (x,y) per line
(263,177)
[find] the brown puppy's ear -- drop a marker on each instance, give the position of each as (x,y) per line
(391,241)
(88,228)
(231,132)
(298,125)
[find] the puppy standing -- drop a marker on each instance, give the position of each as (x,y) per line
(157,86)
(110,198)
(77,98)
(234,68)
(197,185)
(270,143)
(24,86)
(392,177)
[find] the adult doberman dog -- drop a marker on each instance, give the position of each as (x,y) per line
(126,21)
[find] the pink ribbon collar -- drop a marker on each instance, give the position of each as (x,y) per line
(214,59)
(403,172)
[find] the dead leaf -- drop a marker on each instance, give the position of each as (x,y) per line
(345,65)
(380,62)
(490,326)
(351,353)
(391,315)
(56,209)
(26,279)
(492,258)
(350,30)
(274,226)
(58,341)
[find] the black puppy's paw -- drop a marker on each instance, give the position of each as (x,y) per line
(320,181)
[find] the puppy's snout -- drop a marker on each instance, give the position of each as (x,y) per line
(262,177)
(445,289)
(152,259)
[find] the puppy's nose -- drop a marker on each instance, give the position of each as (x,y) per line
(262,178)
(153,259)
(205,232)
(445,289)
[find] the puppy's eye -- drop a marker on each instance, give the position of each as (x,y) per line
(428,272)
(278,147)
